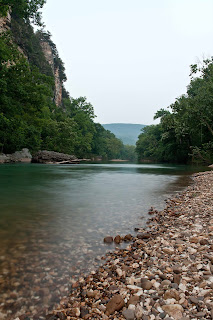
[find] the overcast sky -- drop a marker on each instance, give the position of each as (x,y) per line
(129,57)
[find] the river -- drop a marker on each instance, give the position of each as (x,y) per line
(53,220)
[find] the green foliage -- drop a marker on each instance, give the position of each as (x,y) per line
(186,132)
(43,36)
(23,35)
(28,116)
(27,9)
(128,152)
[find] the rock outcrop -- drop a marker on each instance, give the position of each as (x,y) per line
(47,50)
(51,157)
(5,23)
(48,53)
(19,156)
(58,88)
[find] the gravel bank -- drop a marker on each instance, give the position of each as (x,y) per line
(165,273)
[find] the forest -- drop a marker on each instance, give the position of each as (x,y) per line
(185,132)
(29,116)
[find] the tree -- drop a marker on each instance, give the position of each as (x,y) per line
(27,9)
(186,131)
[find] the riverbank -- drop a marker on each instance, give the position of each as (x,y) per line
(165,273)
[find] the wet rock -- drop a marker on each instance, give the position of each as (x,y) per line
(115,304)
(128,237)
(144,235)
(108,239)
(117,239)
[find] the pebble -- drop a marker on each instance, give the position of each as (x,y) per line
(164,273)
(128,314)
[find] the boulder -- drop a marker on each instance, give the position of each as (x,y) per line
(4,158)
(19,156)
(52,157)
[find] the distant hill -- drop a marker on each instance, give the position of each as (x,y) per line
(127,132)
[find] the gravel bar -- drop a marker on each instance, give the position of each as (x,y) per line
(166,272)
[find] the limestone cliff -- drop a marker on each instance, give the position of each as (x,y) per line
(5,23)
(24,37)
(58,88)
(48,53)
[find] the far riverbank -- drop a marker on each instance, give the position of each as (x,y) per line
(165,273)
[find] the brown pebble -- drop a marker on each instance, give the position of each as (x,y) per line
(117,239)
(108,239)
(115,304)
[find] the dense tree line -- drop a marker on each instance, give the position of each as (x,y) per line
(28,115)
(185,134)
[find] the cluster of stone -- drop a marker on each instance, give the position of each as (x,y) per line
(19,156)
(50,157)
(166,272)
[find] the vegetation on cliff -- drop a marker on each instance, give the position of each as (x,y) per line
(185,134)
(29,116)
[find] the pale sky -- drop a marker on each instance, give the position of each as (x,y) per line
(129,57)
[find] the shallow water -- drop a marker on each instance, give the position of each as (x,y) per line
(53,220)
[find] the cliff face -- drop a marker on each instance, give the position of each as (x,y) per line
(48,53)
(47,50)
(58,88)
(21,34)
(5,23)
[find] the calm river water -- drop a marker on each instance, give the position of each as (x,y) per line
(53,220)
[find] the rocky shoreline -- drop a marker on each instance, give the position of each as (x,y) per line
(42,156)
(166,272)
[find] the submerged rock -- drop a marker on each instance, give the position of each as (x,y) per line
(117,239)
(108,239)
(167,273)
